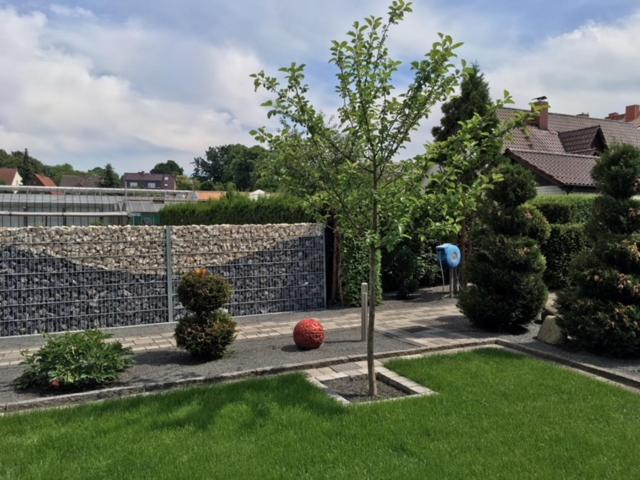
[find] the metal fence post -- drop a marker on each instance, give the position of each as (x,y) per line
(169,270)
(364,309)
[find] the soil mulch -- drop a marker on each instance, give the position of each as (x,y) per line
(356,389)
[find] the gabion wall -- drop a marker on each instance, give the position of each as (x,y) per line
(71,278)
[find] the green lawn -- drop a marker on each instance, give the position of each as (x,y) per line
(497,415)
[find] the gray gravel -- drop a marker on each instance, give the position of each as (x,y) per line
(171,365)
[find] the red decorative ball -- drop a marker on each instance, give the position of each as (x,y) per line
(308,334)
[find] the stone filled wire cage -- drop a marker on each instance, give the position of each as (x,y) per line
(74,278)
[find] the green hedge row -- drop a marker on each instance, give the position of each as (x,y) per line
(237,210)
(564,244)
(565,208)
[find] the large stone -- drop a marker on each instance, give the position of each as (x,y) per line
(550,332)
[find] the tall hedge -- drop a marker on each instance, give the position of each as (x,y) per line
(237,210)
(506,265)
(602,312)
(565,208)
(567,215)
(564,244)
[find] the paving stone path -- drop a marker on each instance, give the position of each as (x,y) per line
(434,323)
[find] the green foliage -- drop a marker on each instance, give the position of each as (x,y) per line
(168,168)
(564,244)
(206,330)
(507,266)
(109,178)
(402,271)
(203,293)
(206,338)
(565,208)
(474,98)
(355,269)
(73,361)
(600,311)
(237,164)
(237,210)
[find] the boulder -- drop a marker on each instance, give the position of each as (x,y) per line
(550,332)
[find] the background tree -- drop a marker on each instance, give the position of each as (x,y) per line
(372,125)
(474,98)
(168,168)
(601,312)
(507,266)
(109,178)
(236,163)
(28,168)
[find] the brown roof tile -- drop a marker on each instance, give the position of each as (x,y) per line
(563,168)
(584,141)
(613,130)
(7,175)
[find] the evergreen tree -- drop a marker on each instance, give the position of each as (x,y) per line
(474,98)
(506,266)
(109,178)
(28,168)
(602,311)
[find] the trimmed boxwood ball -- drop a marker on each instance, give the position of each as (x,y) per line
(506,265)
(206,339)
(207,329)
(308,334)
(601,312)
(201,292)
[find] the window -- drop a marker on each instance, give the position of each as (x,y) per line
(133,184)
(151,184)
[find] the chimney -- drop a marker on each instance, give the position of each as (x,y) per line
(631,113)
(541,105)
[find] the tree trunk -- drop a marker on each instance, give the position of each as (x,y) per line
(373,288)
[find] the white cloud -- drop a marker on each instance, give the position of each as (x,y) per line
(74,12)
(106,88)
(594,69)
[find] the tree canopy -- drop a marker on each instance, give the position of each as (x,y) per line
(235,163)
(168,168)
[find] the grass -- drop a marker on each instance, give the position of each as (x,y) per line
(497,415)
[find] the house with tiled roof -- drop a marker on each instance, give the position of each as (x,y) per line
(10,176)
(561,150)
(44,181)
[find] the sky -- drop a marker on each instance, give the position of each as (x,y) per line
(135,82)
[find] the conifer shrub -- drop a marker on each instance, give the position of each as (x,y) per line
(506,267)
(206,330)
(601,312)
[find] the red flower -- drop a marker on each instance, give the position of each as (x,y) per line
(55,384)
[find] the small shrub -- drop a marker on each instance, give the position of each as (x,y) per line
(206,338)
(203,293)
(600,311)
(74,361)
(506,265)
(207,330)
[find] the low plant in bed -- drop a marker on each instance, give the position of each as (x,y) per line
(74,361)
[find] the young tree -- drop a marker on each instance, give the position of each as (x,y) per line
(168,168)
(601,312)
(474,98)
(372,125)
(109,179)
